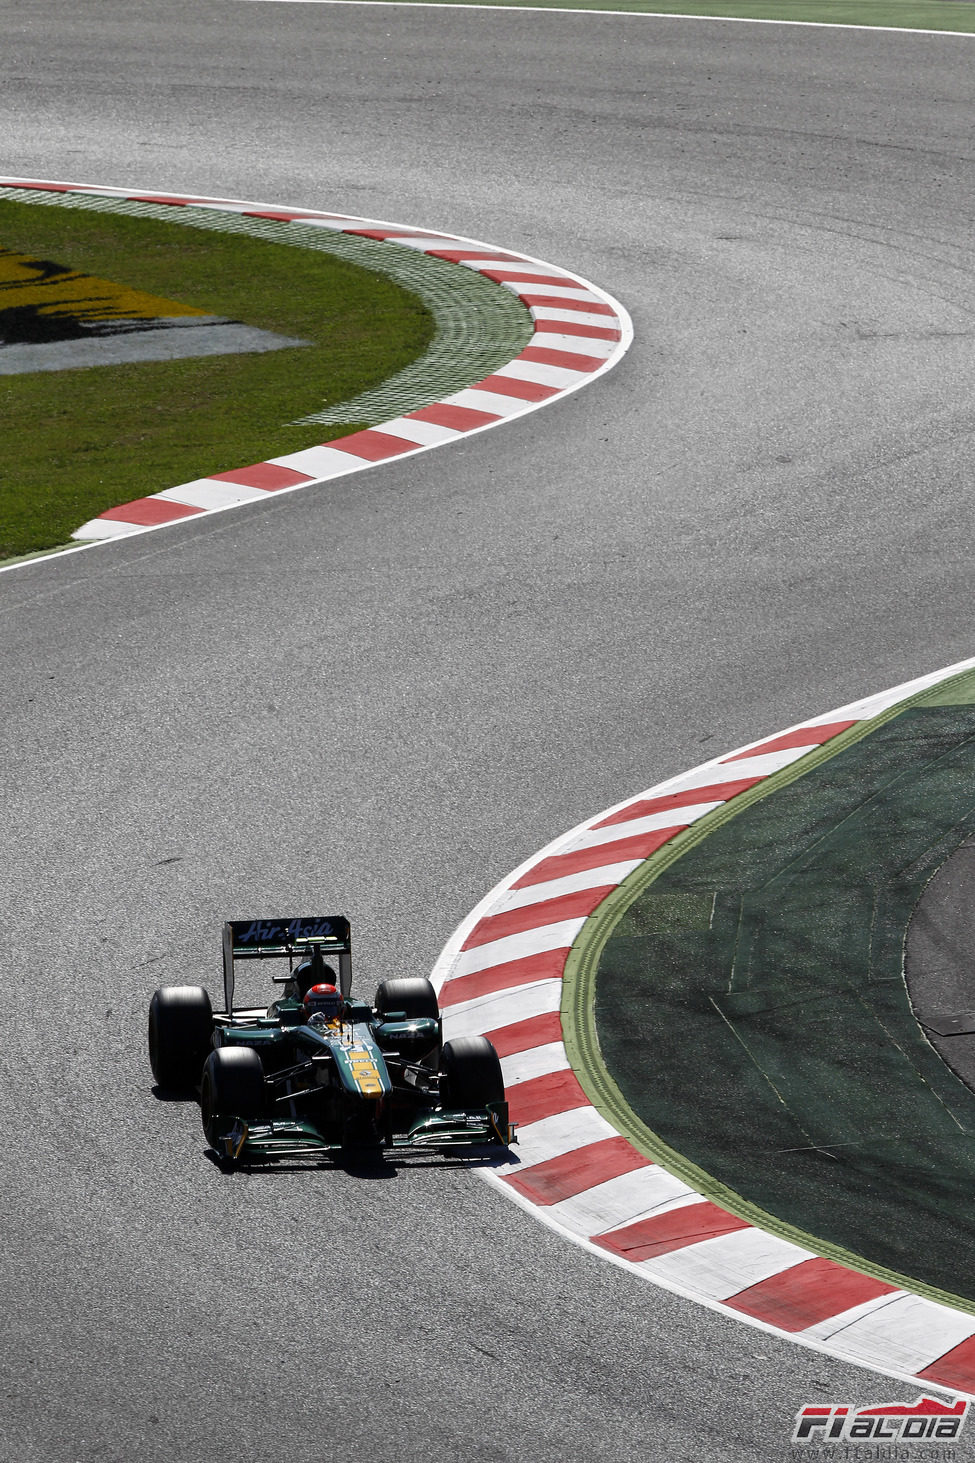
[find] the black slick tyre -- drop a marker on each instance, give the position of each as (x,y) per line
(232,1087)
(471,1073)
(180,1028)
(415,997)
(411,994)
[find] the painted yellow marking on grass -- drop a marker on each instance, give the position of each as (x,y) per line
(55,318)
(39,287)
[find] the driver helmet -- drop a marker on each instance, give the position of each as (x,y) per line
(323,1002)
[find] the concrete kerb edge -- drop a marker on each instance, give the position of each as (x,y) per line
(617,319)
(642,14)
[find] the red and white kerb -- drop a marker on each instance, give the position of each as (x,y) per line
(501,976)
(579,332)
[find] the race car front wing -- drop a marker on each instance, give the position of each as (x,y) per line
(441,1130)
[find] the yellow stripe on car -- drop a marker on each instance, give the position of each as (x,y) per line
(365,1073)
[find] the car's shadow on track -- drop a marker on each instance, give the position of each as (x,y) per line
(168,1094)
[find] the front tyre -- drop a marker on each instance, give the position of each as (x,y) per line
(411,994)
(232,1087)
(180,1028)
(471,1073)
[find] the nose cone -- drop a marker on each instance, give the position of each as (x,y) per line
(362,1069)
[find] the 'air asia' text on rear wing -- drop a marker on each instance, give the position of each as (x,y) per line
(267,939)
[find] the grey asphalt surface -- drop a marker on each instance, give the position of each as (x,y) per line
(939,957)
(380,696)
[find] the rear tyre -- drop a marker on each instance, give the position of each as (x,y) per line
(232,1087)
(180,1028)
(411,994)
(471,1073)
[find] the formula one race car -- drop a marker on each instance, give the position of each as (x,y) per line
(318,1071)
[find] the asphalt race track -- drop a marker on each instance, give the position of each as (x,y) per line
(380,696)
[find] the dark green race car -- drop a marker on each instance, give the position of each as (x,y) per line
(318,1071)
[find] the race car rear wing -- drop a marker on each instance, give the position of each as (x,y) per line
(269,939)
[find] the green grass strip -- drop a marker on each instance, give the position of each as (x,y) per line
(936,15)
(579,991)
(390,330)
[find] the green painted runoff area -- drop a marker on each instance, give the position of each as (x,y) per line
(751,1007)
(944,15)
